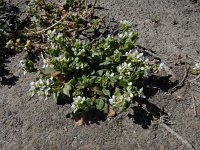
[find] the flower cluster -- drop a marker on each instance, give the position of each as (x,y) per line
(125,69)
(122,98)
(42,87)
(81,103)
(14,45)
(135,56)
(27,66)
(125,25)
(125,35)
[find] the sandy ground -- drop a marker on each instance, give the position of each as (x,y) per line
(171,28)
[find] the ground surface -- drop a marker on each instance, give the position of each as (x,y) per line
(171,28)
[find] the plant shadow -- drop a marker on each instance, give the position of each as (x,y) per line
(6,77)
(145,111)
(91,117)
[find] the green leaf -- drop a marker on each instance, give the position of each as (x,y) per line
(53,52)
(48,70)
(100,104)
(67,88)
(100,72)
(84,78)
(90,30)
(105,63)
(105,108)
(98,80)
(123,83)
(117,57)
(95,54)
(117,92)
(113,79)
(106,92)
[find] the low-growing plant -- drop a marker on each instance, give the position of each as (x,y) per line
(71,16)
(105,74)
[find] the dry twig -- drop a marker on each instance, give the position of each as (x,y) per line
(185,142)
(181,83)
(48,28)
(194,106)
(196,78)
(196,60)
(149,52)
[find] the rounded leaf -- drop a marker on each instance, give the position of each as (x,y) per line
(66,89)
(100,104)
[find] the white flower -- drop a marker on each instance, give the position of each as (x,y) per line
(161,66)
(131,95)
(82,66)
(73,106)
(32,83)
(140,93)
(48,82)
(111,100)
(125,22)
(40,82)
(130,34)
(59,36)
(146,60)
(83,99)
(120,35)
(129,64)
(130,83)
(197,67)
(51,34)
(45,61)
(47,91)
(32,88)
(77,104)
(40,93)
(119,68)
(112,74)
(141,90)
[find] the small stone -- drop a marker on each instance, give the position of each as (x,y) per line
(79,122)
(111,113)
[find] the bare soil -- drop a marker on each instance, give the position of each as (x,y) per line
(171,28)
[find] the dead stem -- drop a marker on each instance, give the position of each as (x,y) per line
(149,52)
(193,103)
(185,142)
(196,78)
(48,28)
(182,82)
(194,59)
